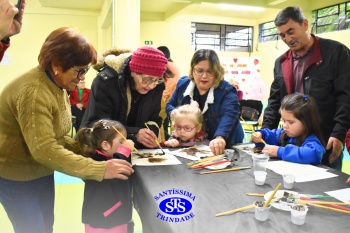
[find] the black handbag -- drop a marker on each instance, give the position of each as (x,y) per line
(249,114)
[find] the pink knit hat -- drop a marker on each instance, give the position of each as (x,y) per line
(148,60)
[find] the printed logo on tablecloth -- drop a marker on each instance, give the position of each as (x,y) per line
(175,205)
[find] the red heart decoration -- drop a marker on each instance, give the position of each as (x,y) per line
(235,60)
(258,70)
(256,61)
(243,79)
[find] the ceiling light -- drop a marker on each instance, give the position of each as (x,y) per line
(234,7)
(240,7)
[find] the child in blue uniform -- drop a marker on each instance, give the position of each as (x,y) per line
(107,204)
(299,140)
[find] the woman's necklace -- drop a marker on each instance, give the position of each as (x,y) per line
(135,96)
(135,100)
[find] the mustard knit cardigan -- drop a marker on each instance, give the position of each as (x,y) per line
(35,120)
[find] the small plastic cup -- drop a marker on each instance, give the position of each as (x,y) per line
(261,212)
(260,177)
(288,181)
(298,214)
(260,162)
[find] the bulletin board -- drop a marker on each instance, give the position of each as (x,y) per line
(246,72)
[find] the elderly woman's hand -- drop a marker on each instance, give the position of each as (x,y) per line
(118,168)
(217,145)
(147,138)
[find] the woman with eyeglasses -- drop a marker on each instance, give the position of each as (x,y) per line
(128,89)
(35,120)
(216,97)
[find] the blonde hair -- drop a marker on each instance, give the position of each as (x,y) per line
(187,111)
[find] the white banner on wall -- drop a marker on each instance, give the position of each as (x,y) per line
(245,72)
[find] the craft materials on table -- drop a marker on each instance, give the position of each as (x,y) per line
(299,170)
(225,170)
(341,194)
(267,203)
(193,153)
(156,141)
(153,157)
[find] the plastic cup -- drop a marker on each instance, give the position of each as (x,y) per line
(260,177)
(260,162)
(288,181)
(261,212)
(298,214)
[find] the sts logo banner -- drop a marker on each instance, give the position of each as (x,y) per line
(175,205)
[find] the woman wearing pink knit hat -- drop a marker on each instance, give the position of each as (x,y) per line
(128,89)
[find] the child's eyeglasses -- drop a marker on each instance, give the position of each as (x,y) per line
(186,128)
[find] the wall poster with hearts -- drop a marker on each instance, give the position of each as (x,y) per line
(245,72)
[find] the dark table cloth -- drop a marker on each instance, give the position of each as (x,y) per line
(216,193)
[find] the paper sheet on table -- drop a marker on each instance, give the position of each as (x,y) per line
(204,151)
(317,176)
(169,158)
(284,167)
(341,194)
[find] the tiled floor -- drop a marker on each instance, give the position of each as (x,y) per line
(68,203)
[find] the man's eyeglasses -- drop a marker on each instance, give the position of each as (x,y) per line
(81,72)
(200,72)
(148,80)
(186,128)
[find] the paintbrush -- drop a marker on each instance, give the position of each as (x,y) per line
(122,136)
(210,164)
(156,141)
(252,128)
(225,170)
(200,161)
(235,210)
(272,195)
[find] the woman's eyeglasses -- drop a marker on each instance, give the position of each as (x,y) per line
(186,128)
(81,72)
(148,80)
(200,72)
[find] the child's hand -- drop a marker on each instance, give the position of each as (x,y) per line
(172,143)
(270,150)
(256,137)
(129,144)
(348,181)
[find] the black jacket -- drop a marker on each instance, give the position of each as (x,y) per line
(326,78)
(110,98)
(107,203)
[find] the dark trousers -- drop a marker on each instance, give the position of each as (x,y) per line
(29,204)
(337,164)
(166,127)
(78,116)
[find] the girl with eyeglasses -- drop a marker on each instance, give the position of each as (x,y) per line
(128,88)
(187,121)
